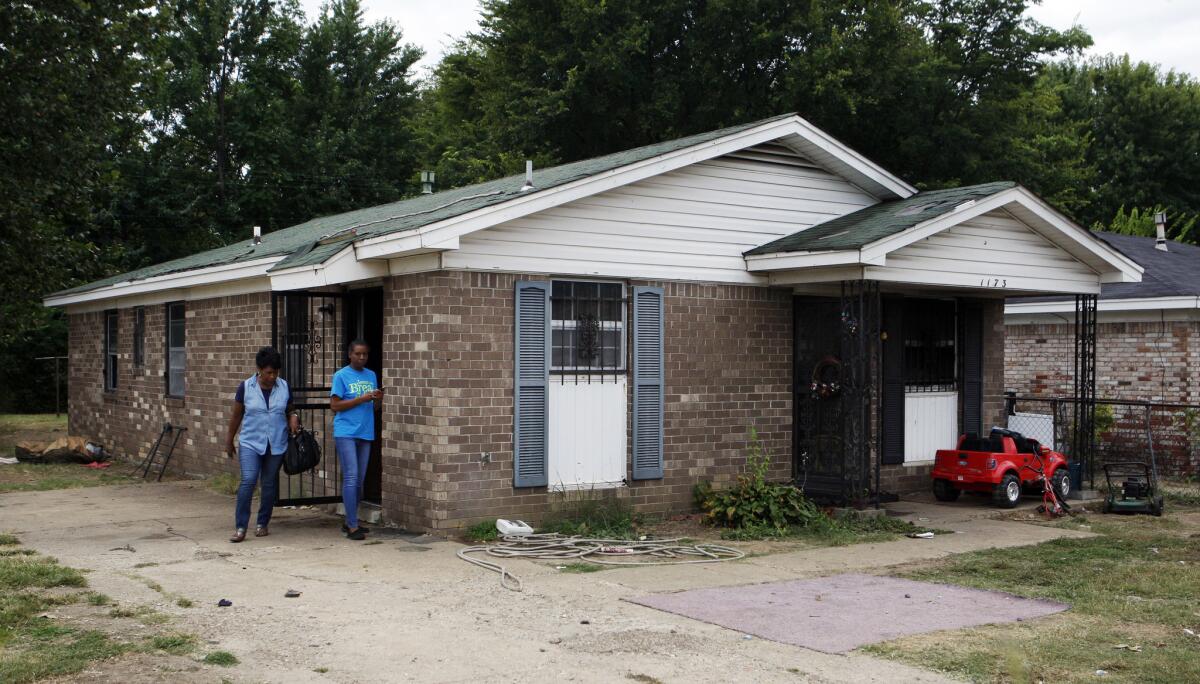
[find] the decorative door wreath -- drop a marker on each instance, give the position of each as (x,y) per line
(827,378)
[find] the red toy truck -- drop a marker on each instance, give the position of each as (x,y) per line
(1001,464)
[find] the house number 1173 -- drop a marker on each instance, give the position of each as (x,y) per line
(993,282)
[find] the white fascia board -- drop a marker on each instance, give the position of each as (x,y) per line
(170,281)
(343,267)
(1068,236)
(783,261)
(389,246)
(1131,304)
(972,282)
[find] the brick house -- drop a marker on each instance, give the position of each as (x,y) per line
(619,322)
(1147,333)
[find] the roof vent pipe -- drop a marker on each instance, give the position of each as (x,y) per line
(427,180)
(258,235)
(528,176)
(1160,222)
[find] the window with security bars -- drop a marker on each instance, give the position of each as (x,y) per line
(110,350)
(930,359)
(176,350)
(587,328)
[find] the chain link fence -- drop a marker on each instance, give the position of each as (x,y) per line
(1124,430)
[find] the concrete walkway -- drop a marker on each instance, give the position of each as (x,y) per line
(407,609)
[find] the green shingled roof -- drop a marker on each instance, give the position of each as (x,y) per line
(300,243)
(878,221)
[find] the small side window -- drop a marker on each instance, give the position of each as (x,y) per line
(110,350)
(176,351)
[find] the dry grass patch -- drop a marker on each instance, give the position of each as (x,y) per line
(1136,584)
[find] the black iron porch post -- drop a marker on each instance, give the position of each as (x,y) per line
(1083,439)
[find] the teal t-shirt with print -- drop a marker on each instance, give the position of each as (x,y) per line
(359,421)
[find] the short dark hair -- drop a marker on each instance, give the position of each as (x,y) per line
(356,343)
(267,357)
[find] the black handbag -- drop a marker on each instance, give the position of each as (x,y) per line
(303,453)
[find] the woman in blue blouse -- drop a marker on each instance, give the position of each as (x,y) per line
(262,408)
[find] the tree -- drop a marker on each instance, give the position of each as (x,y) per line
(71,78)
(1144,127)
(943,92)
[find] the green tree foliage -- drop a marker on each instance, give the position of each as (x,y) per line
(1138,222)
(942,92)
(1144,133)
(70,81)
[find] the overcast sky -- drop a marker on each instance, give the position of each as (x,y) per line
(1160,31)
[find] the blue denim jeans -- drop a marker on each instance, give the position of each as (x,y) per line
(353,454)
(253,466)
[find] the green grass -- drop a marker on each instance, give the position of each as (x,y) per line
(224,483)
(97,599)
(29,477)
(1126,586)
(9,540)
(482,531)
(144,565)
(222,658)
(1181,492)
(835,531)
(33,648)
(320,670)
(184,602)
(24,572)
(600,514)
(175,644)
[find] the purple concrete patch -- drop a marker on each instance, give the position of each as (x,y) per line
(840,613)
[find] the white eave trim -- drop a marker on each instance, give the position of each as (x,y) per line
(1110,265)
(1129,304)
(867,172)
(170,281)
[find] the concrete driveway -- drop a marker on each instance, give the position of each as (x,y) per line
(407,609)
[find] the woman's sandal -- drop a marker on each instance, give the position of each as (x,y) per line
(261,531)
(238,535)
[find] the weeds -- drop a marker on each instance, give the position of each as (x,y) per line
(224,483)
(753,504)
(184,602)
(97,599)
(23,572)
(222,658)
(9,540)
(591,513)
(482,531)
(581,568)
(175,644)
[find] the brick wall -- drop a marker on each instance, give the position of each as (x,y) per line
(222,336)
(1138,360)
(449,341)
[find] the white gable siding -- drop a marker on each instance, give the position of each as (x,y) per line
(992,246)
(689,224)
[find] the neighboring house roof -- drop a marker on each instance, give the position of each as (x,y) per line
(1173,273)
(862,227)
(1170,280)
(315,241)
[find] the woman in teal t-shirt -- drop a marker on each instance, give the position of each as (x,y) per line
(355,397)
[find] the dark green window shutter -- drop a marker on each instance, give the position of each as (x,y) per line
(647,383)
(971,315)
(531,394)
(892,418)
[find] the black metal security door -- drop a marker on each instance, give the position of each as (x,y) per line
(307,328)
(836,357)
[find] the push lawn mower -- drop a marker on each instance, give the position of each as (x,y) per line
(1132,488)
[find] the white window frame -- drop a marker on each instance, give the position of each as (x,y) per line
(621,326)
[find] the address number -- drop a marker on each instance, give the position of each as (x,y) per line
(993,282)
